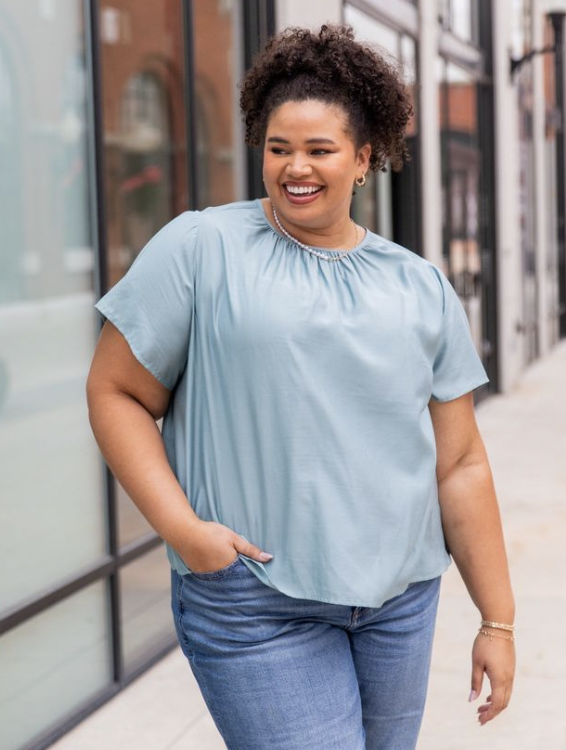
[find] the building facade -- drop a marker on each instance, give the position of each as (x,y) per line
(117,115)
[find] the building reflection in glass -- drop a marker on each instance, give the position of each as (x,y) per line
(144,109)
(218,68)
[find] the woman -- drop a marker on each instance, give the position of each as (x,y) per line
(320,459)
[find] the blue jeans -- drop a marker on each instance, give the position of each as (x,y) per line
(280,673)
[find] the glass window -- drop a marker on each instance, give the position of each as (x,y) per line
(144,112)
(218,60)
(461,164)
(145,147)
(460,17)
(53,664)
(147,622)
(368,29)
(52,521)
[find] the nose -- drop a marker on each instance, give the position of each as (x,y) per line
(298,166)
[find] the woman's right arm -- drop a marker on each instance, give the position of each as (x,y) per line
(124,402)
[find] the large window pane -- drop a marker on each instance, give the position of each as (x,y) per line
(144,112)
(51,515)
(147,622)
(461,20)
(460,17)
(368,29)
(53,664)
(218,67)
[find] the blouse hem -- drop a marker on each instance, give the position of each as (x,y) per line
(332,599)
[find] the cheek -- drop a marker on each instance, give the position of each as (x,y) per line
(268,165)
(340,177)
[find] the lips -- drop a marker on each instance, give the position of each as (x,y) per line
(299,198)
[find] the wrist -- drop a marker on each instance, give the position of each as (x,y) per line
(181,534)
(497,633)
(504,613)
(500,618)
(489,627)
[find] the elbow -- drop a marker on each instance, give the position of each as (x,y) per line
(472,462)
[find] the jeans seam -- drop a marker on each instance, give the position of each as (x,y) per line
(181,612)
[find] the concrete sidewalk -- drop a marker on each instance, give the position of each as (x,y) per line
(525,435)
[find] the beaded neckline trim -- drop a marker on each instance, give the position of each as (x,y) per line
(331,255)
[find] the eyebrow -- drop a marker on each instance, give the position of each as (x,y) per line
(277,139)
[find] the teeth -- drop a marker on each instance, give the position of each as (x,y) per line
(301,190)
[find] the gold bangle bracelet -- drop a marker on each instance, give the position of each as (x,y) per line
(491,636)
(499,625)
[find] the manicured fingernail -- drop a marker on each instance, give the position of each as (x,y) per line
(265,556)
(473,696)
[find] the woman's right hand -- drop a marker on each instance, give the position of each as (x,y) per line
(212,546)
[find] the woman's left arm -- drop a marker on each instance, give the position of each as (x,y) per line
(474,537)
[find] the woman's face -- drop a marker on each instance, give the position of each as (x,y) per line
(310,163)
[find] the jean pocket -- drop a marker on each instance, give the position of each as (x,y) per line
(222,573)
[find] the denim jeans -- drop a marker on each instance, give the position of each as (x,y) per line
(280,673)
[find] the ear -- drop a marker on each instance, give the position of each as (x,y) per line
(363,156)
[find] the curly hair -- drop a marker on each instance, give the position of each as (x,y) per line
(331,66)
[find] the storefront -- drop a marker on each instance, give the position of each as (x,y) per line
(114,117)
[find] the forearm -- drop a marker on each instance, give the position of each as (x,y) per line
(474,536)
(133,448)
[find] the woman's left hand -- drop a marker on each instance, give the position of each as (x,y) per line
(496,658)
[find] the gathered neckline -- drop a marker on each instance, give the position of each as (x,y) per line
(329,251)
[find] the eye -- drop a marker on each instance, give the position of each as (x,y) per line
(275,150)
(320,152)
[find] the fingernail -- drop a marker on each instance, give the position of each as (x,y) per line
(265,555)
(473,696)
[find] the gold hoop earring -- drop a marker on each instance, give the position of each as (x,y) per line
(360,181)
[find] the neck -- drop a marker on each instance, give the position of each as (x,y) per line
(342,235)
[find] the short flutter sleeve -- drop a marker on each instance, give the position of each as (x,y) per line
(457,367)
(152,304)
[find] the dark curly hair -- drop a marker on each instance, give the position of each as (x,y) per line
(331,66)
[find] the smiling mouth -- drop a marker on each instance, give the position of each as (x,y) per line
(303,189)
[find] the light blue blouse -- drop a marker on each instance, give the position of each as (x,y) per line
(299,409)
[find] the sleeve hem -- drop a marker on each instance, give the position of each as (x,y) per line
(114,318)
(461,391)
